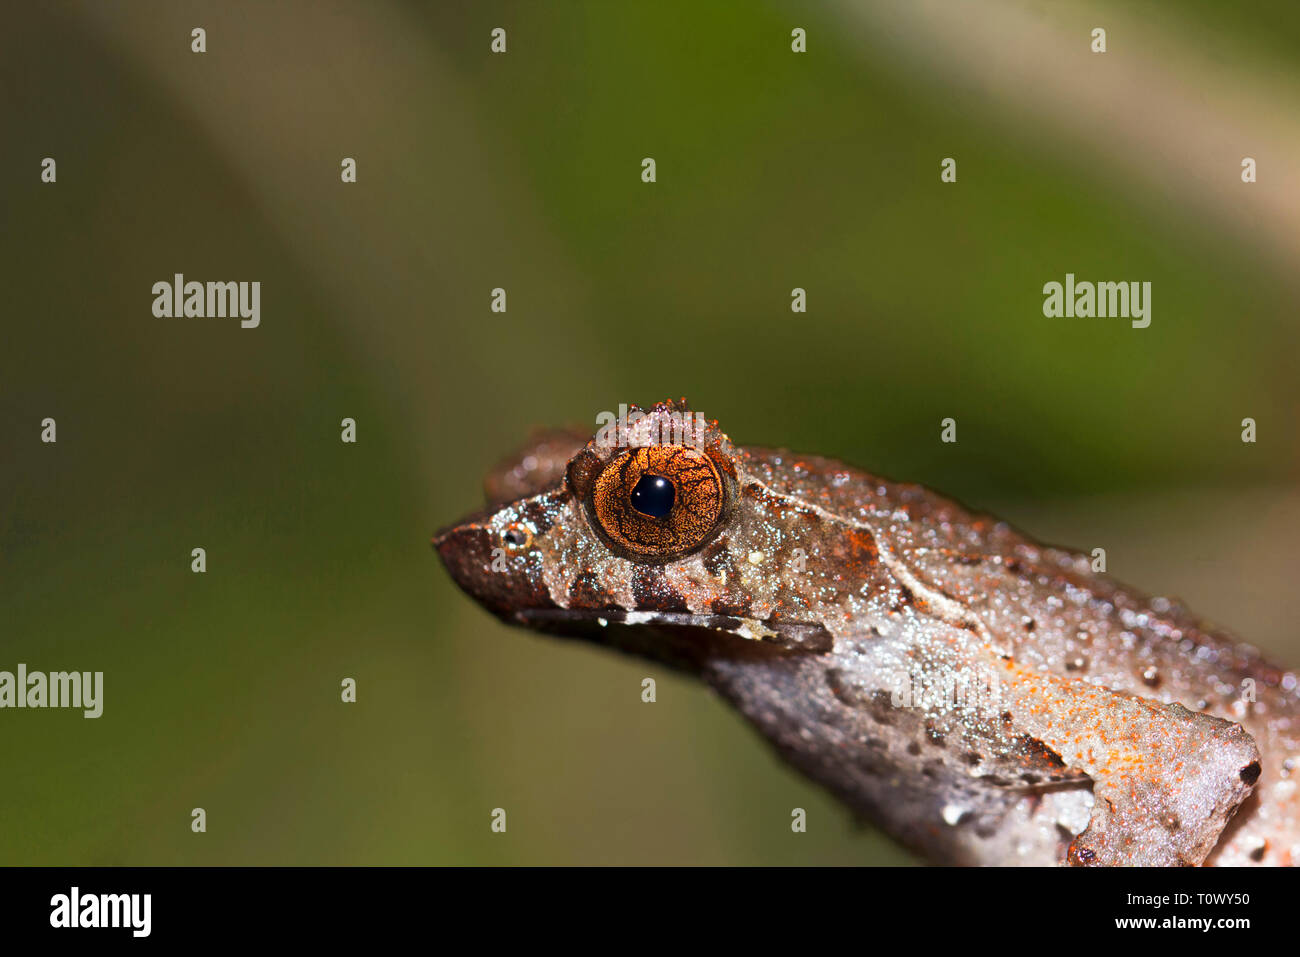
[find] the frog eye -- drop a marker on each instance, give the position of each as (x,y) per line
(659,502)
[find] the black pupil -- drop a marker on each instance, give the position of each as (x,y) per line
(653,496)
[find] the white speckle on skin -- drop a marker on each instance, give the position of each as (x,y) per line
(1074,811)
(754,630)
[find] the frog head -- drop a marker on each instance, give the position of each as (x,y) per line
(658,520)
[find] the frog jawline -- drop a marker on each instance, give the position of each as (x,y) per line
(791,635)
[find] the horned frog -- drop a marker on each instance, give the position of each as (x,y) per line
(983,698)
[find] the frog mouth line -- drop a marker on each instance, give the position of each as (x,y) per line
(791,635)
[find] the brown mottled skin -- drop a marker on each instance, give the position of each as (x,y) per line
(983,698)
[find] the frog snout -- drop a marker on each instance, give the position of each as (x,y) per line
(466,550)
(494,571)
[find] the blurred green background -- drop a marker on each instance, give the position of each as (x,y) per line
(775,170)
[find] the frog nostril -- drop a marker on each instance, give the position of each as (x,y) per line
(517,536)
(653,496)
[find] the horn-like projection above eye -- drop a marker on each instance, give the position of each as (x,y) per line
(659,502)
